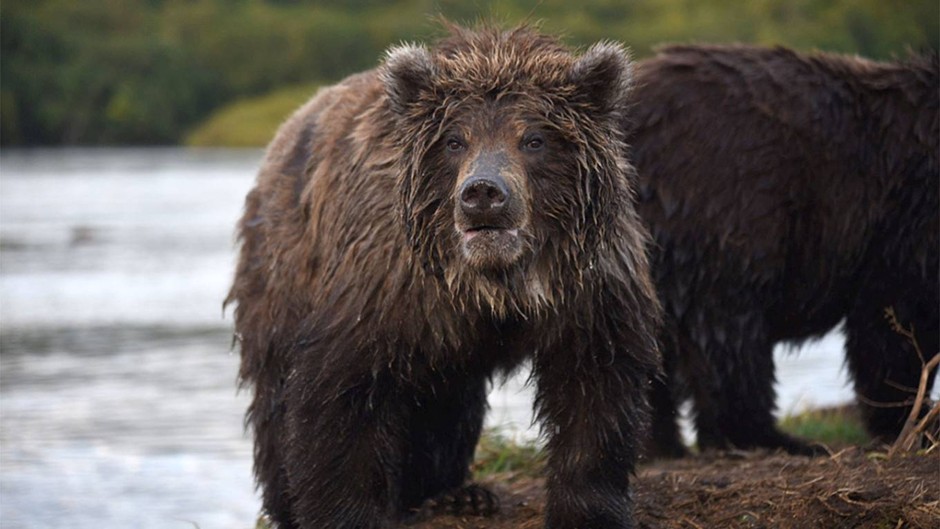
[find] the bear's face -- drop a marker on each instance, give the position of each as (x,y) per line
(489,157)
(511,147)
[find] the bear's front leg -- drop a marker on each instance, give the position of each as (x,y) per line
(593,404)
(344,448)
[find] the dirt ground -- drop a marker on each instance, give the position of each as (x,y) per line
(852,488)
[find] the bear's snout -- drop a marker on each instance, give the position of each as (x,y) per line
(489,212)
(485,199)
(484,195)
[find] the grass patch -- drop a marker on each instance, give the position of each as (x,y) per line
(497,454)
(839,426)
(249,122)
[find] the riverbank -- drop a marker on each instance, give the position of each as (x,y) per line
(858,485)
(852,488)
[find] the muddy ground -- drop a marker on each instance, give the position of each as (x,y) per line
(852,488)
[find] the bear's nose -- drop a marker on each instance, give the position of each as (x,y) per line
(483,195)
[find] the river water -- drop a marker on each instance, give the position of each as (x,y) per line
(118,405)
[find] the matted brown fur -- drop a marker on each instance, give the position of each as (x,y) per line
(787,192)
(376,296)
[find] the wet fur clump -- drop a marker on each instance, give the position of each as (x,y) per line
(420,227)
(786,193)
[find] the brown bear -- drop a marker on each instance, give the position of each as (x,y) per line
(786,193)
(418,228)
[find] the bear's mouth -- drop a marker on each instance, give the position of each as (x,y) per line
(488,231)
(487,246)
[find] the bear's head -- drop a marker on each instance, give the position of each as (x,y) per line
(513,167)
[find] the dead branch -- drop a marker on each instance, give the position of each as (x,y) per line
(915,427)
(896,326)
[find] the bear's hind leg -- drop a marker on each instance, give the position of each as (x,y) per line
(884,364)
(664,440)
(732,380)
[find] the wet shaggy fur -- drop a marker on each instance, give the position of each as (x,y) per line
(786,193)
(376,294)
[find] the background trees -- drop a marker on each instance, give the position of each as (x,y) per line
(147,71)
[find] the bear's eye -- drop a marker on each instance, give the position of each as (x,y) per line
(533,143)
(455,145)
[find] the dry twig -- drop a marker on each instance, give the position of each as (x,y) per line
(915,427)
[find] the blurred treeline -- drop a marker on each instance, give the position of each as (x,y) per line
(146,71)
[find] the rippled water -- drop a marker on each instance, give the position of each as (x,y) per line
(118,405)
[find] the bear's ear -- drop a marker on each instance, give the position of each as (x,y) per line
(407,71)
(604,76)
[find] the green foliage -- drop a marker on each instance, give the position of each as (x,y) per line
(498,454)
(144,71)
(249,122)
(61,83)
(834,427)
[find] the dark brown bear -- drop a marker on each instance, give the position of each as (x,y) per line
(416,229)
(787,193)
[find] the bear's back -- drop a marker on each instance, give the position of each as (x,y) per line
(775,164)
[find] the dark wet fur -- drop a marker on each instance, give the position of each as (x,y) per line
(786,193)
(368,342)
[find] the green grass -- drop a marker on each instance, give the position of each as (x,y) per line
(834,427)
(249,122)
(831,426)
(498,454)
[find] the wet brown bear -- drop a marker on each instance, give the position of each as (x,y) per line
(787,193)
(416,229)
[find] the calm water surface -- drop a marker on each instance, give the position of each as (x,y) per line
(118,405)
